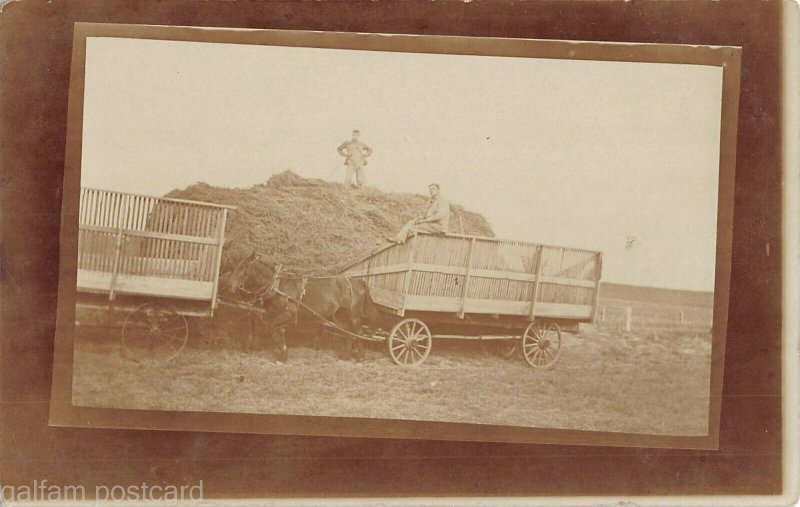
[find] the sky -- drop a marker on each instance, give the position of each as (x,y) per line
(618,157)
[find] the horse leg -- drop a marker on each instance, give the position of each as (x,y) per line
(355,321)
(247,339)
(359,344)
(278,332)
(278,335)
(347,318)
(340,342)
(250,342)
(352,324)
(315,338)
(280,338)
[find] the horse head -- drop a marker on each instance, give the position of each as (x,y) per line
(253,275)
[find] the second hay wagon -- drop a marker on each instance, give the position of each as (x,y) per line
(149,264)
(480,288)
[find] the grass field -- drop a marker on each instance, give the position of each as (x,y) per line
(601,382)
(652,311)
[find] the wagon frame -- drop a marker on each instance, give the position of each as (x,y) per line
(148,265)
(459,286)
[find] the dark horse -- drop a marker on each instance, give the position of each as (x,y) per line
(338,299)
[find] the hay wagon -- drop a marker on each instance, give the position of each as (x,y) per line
(469,287)
(152,264)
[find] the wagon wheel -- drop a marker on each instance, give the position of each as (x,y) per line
(154,332)
(409,342)
(541,344)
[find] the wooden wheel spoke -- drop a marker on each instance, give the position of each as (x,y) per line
(534,344)
(402,333)
(138,335)
(159,338)
(543,359)
(170,338)
(173,318)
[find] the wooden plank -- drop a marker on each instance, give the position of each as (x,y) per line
(597,275)
(102,209)
(537,284)
(477,337)
(97,209)
(145,285)
(164,199)
(218,260)
(155,235)
(467,277)
(474,272)
(118,248)
(409,272)
(158,225)
(165,268)
(369,270)
(501,240)
(492,306)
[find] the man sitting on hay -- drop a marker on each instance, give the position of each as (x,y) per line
(436,218)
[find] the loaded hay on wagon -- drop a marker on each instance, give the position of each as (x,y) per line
(310,226)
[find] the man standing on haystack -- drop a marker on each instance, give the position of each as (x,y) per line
(355,153)
(436,218)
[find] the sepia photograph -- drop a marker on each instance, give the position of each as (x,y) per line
(495,238)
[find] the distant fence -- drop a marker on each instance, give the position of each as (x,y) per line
(652,318)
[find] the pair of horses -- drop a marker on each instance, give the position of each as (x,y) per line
(288,298)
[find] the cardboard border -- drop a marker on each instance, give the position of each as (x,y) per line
(63,413)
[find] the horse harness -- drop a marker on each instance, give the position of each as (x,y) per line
(273,288)
(299,299)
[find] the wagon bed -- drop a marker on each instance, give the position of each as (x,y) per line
(462,286)
(477,275)
(151,261)
(136,245)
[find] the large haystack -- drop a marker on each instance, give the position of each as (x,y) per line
(314,225)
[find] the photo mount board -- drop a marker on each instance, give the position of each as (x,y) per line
(63,413)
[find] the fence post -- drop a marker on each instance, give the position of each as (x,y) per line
(683,318)
(628,318)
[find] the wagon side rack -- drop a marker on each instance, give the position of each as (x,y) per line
(458,286)
(152,263)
